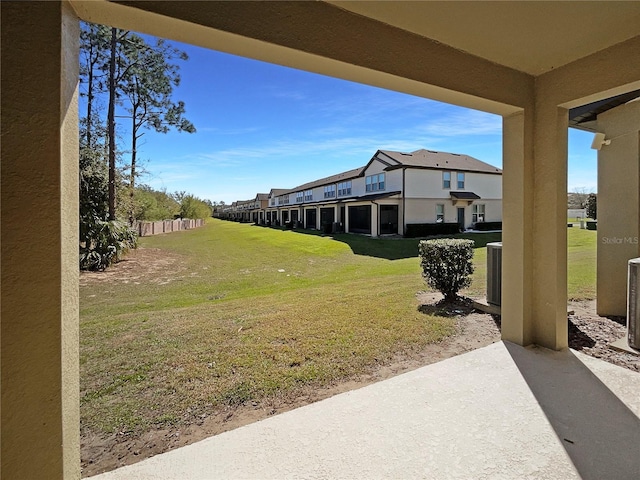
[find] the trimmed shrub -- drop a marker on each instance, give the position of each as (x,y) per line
(414,230)
(446,264)
(485,226)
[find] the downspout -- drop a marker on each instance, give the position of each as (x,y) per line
(377,217)
(404,221)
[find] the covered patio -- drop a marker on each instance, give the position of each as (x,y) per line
(530,62)
(503,411)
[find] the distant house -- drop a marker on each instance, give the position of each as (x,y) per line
(392,190)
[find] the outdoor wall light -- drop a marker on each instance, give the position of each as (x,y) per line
(599,141)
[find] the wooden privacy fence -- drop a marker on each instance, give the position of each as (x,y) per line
(146,229)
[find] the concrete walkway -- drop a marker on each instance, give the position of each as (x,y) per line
(499,412)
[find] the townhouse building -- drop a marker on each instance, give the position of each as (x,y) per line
(393,190)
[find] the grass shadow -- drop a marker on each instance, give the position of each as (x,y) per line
(396,247)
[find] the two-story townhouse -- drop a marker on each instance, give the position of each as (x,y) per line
(438,187)
(259,208)
(316,204)
(392,190)
(274,202)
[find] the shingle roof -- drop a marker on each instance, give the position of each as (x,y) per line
(356,172)
(435,160)
(278,191)
(262,196)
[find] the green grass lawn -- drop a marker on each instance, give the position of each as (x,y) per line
(245,313)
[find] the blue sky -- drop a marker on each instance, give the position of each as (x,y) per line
(262,126)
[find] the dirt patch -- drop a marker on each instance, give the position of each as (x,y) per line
(587,332)
(150,265)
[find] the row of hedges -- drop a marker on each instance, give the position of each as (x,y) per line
(415,230)
(485,226)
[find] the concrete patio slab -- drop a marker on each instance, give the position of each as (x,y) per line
(499,412)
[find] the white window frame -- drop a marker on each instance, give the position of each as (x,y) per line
(440,213)
(299,197)
(446,180)
(308,195)
(374,183)
(330,191)
(344,188)
(479,213)
(460,183)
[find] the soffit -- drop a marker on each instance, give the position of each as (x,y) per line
(532,37)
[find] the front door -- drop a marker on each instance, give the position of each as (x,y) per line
(461,218)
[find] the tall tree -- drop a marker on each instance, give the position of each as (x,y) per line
(147,87)
(93,58)
(136,80)
(111,122)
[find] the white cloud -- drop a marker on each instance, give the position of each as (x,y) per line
(470,122)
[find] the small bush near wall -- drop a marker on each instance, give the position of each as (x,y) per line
(592,225)
(415,230)
(446,264)
(485,226)
(106,243)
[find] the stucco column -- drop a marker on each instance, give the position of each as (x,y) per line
(375,219)
(39,221)
(345,220)
(618,205)
(534,275)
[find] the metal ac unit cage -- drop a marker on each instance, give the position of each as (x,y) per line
(494,273)
(633,304)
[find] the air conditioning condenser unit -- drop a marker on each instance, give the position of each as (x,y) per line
(494,273)
(633,304)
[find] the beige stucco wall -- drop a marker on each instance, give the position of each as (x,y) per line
(618,205)
(428,184)
(39,162)
(40,374)
(420,210)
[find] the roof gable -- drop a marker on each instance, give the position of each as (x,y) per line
(431,159)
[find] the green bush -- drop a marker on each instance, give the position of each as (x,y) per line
(414,230)
(193,207)
(446,264)
(106,243)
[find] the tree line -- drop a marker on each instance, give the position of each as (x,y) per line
(129,81)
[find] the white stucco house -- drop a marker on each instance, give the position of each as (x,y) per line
(393,190)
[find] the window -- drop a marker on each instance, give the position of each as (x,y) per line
(460,180)
(272,201)
(344,188)
(285,199)
(308,195)
(478,213)
(440,213)
(446,180)
(330,191)
(374,182)
(299,197)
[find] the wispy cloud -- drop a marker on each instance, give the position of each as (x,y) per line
(229,131)
(470,122)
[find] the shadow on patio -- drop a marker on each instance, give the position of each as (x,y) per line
(501,411)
